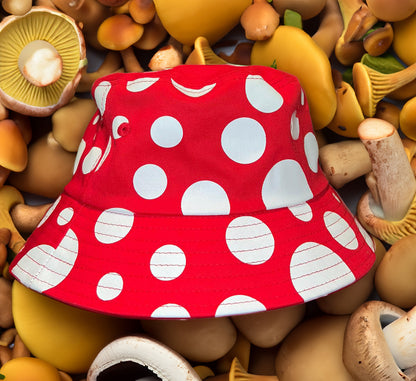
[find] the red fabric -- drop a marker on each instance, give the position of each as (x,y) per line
(196,193)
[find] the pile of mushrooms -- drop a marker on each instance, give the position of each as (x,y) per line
(356,61)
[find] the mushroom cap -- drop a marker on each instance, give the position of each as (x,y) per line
(388,10)
(58,29)
(13,148)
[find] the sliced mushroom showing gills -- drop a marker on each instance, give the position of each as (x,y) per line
(41,56)
(379,343)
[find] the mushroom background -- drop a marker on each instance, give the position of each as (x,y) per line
(356,61)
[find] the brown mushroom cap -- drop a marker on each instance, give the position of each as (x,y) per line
(388,10)
(13,148)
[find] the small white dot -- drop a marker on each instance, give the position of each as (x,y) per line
(238,305)
(150,181)
(140,84)
(109,286)
(311,151)
(166,132)
(106,153)
(172,311)
(65,216)
(50,211)
(113,225)
(81,149)
(101,94)
(340,230)
(261,95)
(302,211)
(294,126)
(168,262)
(91,160)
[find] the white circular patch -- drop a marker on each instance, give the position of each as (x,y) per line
(117,122)
(113,225)
(65,216)
(205,198)
(194,93)
(140,84)
(166,131)
(244,140)
(239,305)
(100,95)
(150,181)
(340,230)
(49,211)
(261,95)
(250,240)
(294,126)
(91,160)
(106,153)
(285,185)
(81,149)
(302,211)
(170,310)
(317,271)
(109,286)
(367,237)
(44,267)
(311,151)
(336,197)
(167,262)
(96,119)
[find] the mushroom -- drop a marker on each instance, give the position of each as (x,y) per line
(267,329)
(139,356)
(15,7)
(131,63)
(403,39)
(142,11)
(407,118)
(26,217)
(379,343)
(389,11)
(390,112)
(67,337)
(313,351)
(202,54)
(13,149)
(307,9)
(241,349)
(387,211)
(41,55)
(5,235)
(167,57)
(394,278)
(154,33)
(6,316)
(11,346)
(259,20)
(202,340)
(377,41)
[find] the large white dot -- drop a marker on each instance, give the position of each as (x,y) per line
(65,216)
(340,230)
(172,311)
(302,211)
(109,286)
(113,225)
(100,95)
(250,240)
(205,198)
(91,160)
(150,181)
(285,185)
(244,140)
(316,271)
(140,84)
(294,126)
(44,267)
(311,151)
(239,305)
(261,95)
(167,262)
(166,131)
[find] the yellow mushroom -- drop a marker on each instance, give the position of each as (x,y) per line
(202,54)
(388,111)
(403,40)
(408,118)
(241,349)
(154,33)
(379,40)
(308,62)
(388,10)
(142,11)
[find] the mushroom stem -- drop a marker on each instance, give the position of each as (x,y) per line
(400,336)
(40,63)
(396,183)
(238,373)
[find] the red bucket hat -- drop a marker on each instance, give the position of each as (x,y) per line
(196,193)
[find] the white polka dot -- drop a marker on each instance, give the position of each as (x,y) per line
(250,240)
(244,140)
(205,198)
(340,230)
(113,225)
(49,211)
(106,152)
(65,216)
(44,267)
(150,181)
(194,93)
(285,185)
(96,119)
(170,310)
(261,95)
(140,84)
(302,211)
(100,95)
(294,126)
(317,271)
(109,286)
(119,121)
(239,305)
(367,237)
(167,262)
(311,151)
(166,131)
(81,149)
(302,97)
(91,160)
(336,197)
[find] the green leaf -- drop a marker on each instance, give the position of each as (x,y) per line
(2,376)
(292,18)
(386,63)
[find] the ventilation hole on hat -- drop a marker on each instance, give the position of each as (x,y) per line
(238,305)
(109,286)
(168,262)
(243,140)
(170,310)
(120,126)
(340,230)
(261,95)
(127,371)
(166,131)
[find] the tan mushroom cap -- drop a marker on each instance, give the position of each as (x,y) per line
(59,31)
(13,148)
